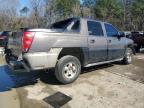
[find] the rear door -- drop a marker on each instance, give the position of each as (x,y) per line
(116,46)
(97,42)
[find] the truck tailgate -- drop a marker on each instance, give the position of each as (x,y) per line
(14,43)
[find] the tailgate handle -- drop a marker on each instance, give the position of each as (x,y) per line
(92,41)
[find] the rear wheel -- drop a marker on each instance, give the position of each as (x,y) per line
(128,56)
(68,69)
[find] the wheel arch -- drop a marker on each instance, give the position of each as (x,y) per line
(74,51)
(132,47)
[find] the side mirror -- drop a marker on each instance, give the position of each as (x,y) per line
(121,34)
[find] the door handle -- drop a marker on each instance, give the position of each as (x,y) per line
(92,41)
(109,41)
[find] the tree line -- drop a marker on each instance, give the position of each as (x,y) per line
(125,14)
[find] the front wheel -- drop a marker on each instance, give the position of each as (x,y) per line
(138,47)
(128,56)
(68,69)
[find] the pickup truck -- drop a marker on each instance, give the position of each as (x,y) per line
(4,38)
(69,45)
(138,38)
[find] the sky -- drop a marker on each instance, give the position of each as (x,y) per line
(23,3)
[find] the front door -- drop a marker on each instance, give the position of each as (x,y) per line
(116,46)
(97,42)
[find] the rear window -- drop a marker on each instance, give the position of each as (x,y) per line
(61,24)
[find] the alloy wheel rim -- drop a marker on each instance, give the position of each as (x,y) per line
(70,70)
(129,57)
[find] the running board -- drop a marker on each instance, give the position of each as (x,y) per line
(99,63)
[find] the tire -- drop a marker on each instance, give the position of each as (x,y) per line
(138,48)
(67,69)
(128,56)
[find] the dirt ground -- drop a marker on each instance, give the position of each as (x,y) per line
(8,98)
(106,86)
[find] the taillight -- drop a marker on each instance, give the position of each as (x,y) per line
(27,40)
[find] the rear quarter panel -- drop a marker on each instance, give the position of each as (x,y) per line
(44,41)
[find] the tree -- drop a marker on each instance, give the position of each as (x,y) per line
(138,14)
(36,8)
(127,16)
(49,12)
(88,8)
(108,10)
(8,14)
(24,10)
(64,7)
(60,9)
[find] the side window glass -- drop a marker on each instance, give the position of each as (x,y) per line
(76,26)
(111,31)
(95,28)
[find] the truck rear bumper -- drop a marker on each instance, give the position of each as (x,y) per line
(18,65)
(36,61)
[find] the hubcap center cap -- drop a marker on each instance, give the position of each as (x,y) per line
(69,70)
